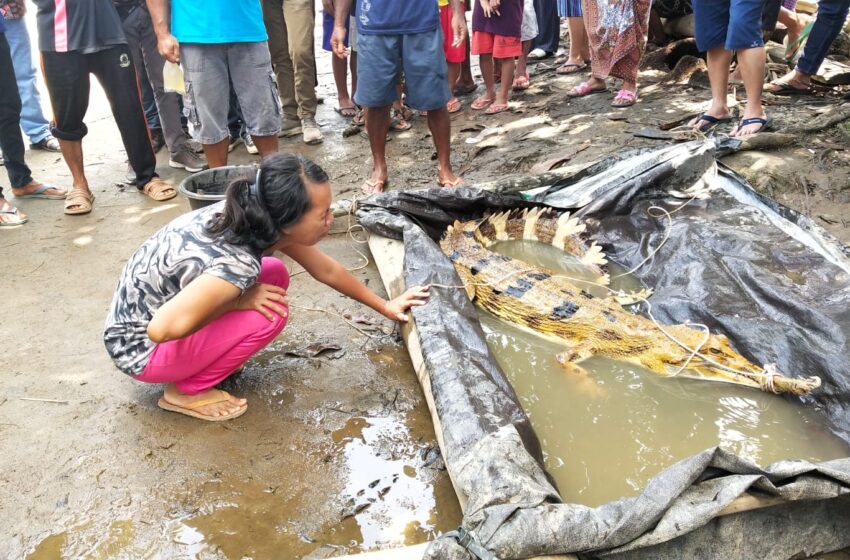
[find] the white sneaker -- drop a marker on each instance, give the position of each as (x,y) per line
(249,144)
(311,132)
(537,53)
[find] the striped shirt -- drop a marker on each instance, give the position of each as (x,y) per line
(78,25)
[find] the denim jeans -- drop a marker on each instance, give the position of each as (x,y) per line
(830,19)
(11,141)
(35,125)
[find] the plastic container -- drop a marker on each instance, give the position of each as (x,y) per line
(209,187)
(172,78)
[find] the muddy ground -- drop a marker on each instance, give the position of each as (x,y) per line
(336,453)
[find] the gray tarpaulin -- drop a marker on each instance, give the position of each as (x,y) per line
(765,276)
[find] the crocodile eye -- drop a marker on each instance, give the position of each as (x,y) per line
(714,351)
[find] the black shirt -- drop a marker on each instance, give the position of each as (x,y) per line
(78,25)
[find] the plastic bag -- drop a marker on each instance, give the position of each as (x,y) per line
(172,78)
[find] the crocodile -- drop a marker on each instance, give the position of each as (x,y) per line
(562,308)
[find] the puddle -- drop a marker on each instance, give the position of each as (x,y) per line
(110,542)
(606,438)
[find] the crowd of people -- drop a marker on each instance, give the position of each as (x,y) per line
(250,72)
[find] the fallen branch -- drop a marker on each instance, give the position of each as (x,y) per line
(833,116)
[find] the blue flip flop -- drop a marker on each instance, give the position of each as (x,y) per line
(765,124)
(713,122)
(39,193)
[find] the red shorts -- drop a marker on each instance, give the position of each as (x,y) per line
(497,45)
(454,55)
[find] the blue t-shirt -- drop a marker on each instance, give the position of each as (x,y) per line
(217,21)
(397,17)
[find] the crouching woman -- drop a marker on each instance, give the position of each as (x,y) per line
(204,294)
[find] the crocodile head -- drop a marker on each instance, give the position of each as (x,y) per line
(715,356)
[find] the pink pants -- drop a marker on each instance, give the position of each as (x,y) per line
(205,358)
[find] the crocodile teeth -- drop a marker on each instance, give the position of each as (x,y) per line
(567,227)
(531,217)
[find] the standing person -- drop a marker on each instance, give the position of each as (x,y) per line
(455,54)
(289,24)
(496,38)
(548,27)
(35,125)
(75,43)
(396,35)
(579,55)
(204,294)
(828,23)
(218,42)
(528,34)
(617,35)
(141,41)
(345,104)
(12,143)
(722,28)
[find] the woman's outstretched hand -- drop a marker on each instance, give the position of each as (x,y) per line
(415,296)
(265,298)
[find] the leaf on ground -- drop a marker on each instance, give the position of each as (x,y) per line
(316,349)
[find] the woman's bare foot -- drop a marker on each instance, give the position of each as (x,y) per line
(227,406)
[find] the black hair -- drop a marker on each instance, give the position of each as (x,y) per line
(254,216)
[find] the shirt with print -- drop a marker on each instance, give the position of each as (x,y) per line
(86,26)
(217,21)
(165,264)
(396,17)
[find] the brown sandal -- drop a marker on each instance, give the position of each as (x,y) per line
(78,202)
(159,190)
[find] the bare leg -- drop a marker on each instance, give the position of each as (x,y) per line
(794,22)
(485,62)
(377,126)
(719,60)
(266,144)
(752,63)
(72,152)
(579,44)
(454,72)
(217,153)
(521,65)
(340,71)
(656,30)
(353,67)
(466,80)
(441,130)
(504,93)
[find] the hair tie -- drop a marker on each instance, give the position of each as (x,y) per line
(254,188)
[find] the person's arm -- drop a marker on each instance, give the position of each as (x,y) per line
(328,6)
(166,43)
(459,29)
(206,298)
(327,271)
(342,9)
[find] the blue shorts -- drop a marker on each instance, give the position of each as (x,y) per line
(381,59)
(730,24)
(328,31)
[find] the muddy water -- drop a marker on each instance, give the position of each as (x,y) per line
(605,437)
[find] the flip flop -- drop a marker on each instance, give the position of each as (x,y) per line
(347,112)
(39,193)
(765,125)
(458,182)
(713,122)
(398,122)
(624,98)
(521,83)
(569,68)
(465,90)
(81,199)
(583,90)
(454,105)
(786,88)
(481,103)
(359,118)
(495,109)
(373,187)
(17,220)
(189,410)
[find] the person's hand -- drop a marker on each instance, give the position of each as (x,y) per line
(459,29)
(328,6)
(490,7)
(169,48)
(265,298)
(338,41)
(414,297)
